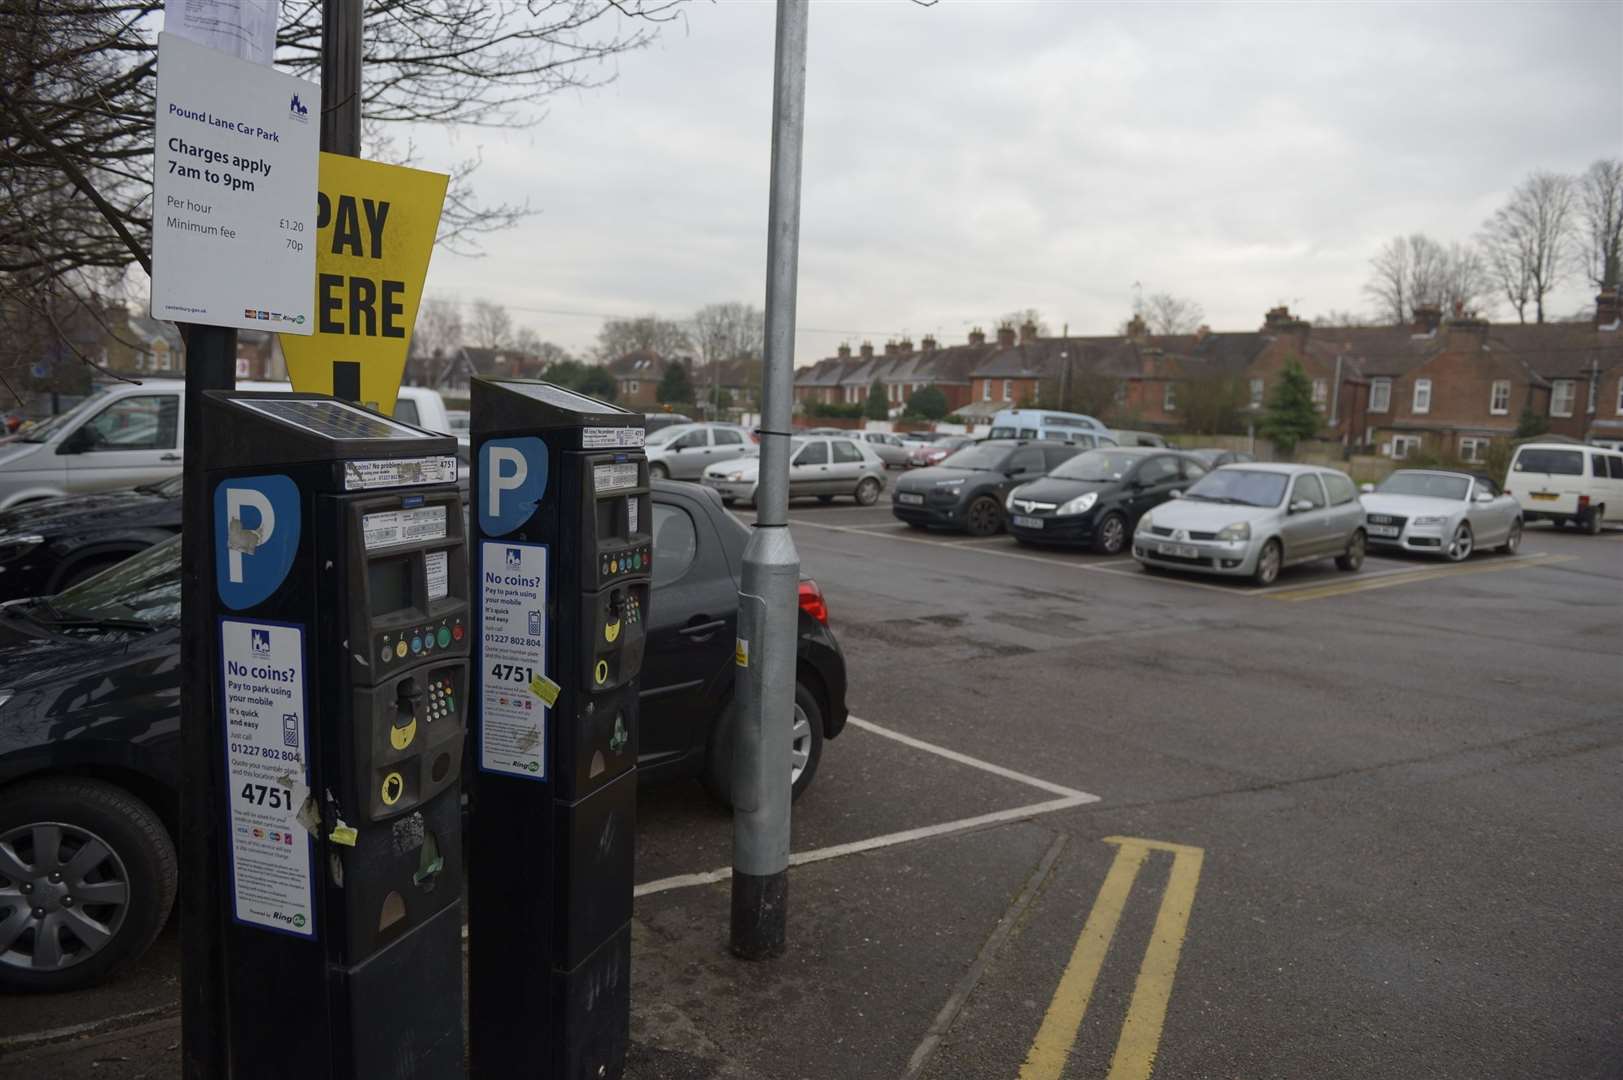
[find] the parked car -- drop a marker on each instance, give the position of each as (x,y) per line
(129,434)
(1254,520)
(967,491)
(825,467)
(685,449)
(1096,498)
(1124,437)
(53,544)
(826,431)
(936,451)
(1215,456)
(655,421)
(1439,512)
(90,731)
(459,422)
(1567,484)
(889,447)
(1043,424)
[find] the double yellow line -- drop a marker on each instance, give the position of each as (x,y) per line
(1409,577)
(1141,1032)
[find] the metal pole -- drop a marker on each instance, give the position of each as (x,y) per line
(341,77)
(767,604)
(211,364)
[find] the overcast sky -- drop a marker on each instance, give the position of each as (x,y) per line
(969,159)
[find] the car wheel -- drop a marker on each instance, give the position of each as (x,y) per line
(85,570)
(1459,548)
(87,879)
(805,749)
(1353,558)
(867,491)
(984,517)
(1268,564)
(1111,536)
(1591,521)
(658,470)
(1513,540)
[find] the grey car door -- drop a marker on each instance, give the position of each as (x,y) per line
(689,454)
(846,466)
(1307,527)
(1490,519)
(808,472)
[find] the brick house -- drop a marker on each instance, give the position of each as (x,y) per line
(637,375)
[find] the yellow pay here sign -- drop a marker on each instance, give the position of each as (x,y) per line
(375,227)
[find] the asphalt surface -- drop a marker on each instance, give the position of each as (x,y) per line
(1357,825)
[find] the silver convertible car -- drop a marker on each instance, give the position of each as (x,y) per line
(1436,512)
(1253,520)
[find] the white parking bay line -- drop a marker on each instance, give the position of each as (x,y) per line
(1069,797)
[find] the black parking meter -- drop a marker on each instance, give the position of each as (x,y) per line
(562,561)
(340,668)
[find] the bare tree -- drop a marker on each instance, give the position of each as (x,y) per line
(731,331)
(1388,283)
(1023,316)
(1600,217)
(1467,280)
(1168,314)
(439,327)
(490,326)
(1339,317)
(647,332)
(1428,270)
(1529,240)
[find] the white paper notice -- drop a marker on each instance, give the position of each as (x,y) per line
(242,28)
(233,192)
(598,438)
(512,659)
(607,478)
(631,514)
(398,472)
(390,527)
(439,579)
(262,676)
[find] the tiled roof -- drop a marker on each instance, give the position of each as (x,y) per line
(642,364)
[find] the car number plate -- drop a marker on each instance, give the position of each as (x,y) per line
(1545,495)
(1383,530)
(909,500)
(1181,551)
(1029,522)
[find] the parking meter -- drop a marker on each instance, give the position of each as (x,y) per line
(340,667)
(562,560)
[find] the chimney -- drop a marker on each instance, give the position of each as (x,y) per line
(866,352)
(977,336)
(1137,328)
(1609,310)
(928,344)
(1005,336)
(1203,332)
(1276,318)
(1427,317)
(891,348)
(905,346)
(1028,332)
(844,351)
(1466,331)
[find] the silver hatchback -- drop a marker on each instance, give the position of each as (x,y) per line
(1253,520)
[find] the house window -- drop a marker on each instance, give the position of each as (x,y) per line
(631,386)
(1403,444)
(1473,451)
(1562,395)
(1169,398)
(1499,403)
(1321,391)
(1257,387)
(1422,396)
(986,389)
(1008,389)
(1380,395)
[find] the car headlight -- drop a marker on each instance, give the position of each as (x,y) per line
(1430,519)
(1079,505)
(1240,530)
(1008,502)
(16,545)
(735,477)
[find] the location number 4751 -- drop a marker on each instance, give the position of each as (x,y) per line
(262,795)
(512,673)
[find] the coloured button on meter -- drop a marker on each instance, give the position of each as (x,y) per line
(444,637)
(416,644)
(400,647)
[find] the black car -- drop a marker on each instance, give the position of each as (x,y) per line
(1096,498)
(90,732)
(47,546)
(967,490)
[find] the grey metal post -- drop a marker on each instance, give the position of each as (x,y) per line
(341,77)
(767,603)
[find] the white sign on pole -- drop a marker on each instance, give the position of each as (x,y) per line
(267,781)
(234,192)
(242,28)
(514,687)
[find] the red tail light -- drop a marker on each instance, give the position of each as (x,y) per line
(1583,503)
(812,602)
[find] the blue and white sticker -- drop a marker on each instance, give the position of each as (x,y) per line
(514,689)
(512,480)
(256,537)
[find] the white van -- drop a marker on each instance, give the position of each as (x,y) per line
(128,434)
(1567,482)
(1043,424)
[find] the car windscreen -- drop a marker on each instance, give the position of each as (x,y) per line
(984,458)
(1554,462)
(1245,487)
(1098,465)
(144,588)
(1004,433)
(666,434)
(1432,485)
(43,430)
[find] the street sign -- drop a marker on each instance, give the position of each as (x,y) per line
(374,234)
(234,191)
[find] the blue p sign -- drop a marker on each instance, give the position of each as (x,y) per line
(512,479)
(256,536)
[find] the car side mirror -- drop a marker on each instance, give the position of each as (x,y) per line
(1367,489)
(1301,506)
(1177,493)
(1484,496)
(77,442)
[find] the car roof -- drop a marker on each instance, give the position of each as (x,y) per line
(1442,472)
(1289,468)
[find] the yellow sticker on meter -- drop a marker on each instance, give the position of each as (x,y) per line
(400,737)
(602,670)
(741,652)
(611,631)
(545,689)
(394,786)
